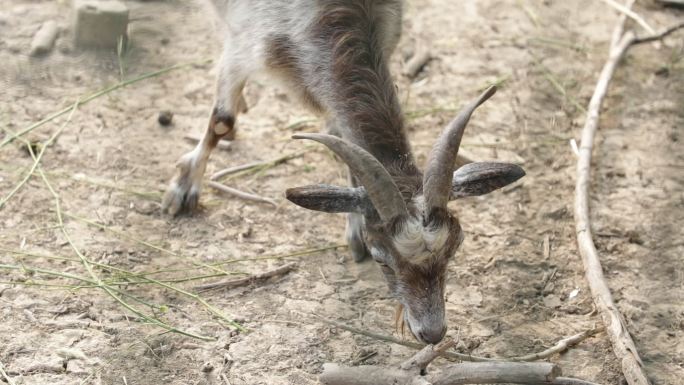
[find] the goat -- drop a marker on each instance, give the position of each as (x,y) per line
(333,54)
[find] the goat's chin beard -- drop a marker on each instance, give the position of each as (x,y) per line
(401,322)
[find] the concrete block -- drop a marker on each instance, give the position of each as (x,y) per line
(100,24)
(44,39)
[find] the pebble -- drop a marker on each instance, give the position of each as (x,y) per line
(165,118)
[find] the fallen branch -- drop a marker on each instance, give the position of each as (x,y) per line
(228,284)
(623,345)
(411,372)
(240,194)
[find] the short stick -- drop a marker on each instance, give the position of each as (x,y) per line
(227,284)
(222,144)
(240,194)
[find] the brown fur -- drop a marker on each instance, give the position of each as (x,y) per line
(365,93)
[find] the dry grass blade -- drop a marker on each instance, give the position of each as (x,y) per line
(115,293)
(144,243)
(106,288)
(37,159)
(558,86)
(141,279)
(85,99)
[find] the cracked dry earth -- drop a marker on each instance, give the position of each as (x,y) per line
(516,286)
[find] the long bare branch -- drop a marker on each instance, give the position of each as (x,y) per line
(623,345)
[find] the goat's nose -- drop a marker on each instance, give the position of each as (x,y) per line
(432,335)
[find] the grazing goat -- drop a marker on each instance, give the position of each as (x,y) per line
(333,54)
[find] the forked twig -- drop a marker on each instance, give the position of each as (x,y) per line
(626,10)
(227,284)
(623,345)
(559,347)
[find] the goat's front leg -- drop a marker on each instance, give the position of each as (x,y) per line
(183,192)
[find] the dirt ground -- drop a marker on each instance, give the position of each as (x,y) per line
(508,293)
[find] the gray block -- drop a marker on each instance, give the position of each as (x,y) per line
(100,24)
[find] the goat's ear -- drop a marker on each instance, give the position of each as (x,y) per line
(330,199)
(480,178)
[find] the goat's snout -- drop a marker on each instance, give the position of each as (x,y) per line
(431,334)
(429,331)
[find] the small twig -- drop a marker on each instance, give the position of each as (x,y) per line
(364,358)
(222,144)
(234,169)
(671,3)
(631,14)
(559,347)
(5,375)
(658,36)
(258,166)
(228,284)
(240,194)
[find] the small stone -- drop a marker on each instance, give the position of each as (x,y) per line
(100,24)
(663,71)
(552,301)
(207,367)
(44,39)
(165,118)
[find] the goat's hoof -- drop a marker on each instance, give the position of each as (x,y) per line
(180,198)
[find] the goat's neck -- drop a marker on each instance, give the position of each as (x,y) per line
(364,98)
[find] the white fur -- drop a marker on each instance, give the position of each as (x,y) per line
(418,243)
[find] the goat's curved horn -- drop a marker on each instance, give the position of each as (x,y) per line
(440,165)
(380,186)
